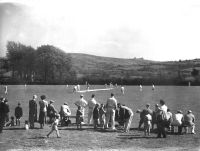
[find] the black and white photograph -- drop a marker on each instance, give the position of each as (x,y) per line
(99,75)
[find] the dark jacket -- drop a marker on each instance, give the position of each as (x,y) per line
(18,112)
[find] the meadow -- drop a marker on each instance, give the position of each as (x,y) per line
(176,97)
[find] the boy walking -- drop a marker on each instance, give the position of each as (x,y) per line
(55,126)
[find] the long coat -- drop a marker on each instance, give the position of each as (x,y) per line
(32,111)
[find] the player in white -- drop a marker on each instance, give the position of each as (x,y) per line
(153,87)
(111,106)
(122,89)
(6,90)
(78,87)
(82,103)
(91,105)
(75,89)
(140,87)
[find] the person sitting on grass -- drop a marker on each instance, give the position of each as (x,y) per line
(96,116)
(79,117)
(11,122)
(189,120)
(54,126)
(18,114)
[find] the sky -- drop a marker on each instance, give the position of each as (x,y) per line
(152,29)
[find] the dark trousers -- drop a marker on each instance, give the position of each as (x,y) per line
(161,130)
(140,123)
(2,122)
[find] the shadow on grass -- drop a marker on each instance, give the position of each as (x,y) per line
(18,128)
(135,137)
(38,137)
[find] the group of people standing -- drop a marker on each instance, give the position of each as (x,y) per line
(104,115)
(165,120)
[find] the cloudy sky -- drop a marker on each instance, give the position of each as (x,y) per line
(152,29)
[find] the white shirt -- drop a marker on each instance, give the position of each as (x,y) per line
(177,119)
(112,103)
(92,103)
(164,108)
(66,110)
(168,115)
(82,102)
(129,110)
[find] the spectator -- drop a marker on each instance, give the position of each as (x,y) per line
(91,105)
(79,117)
(189,121)
(177,121)
(82,103)
(111,106)
(102,115)
(32,111)
(18,114)
(43,111)
(51,111)
(54,126)
(128,116)
(6,110)
(65,112)
(96,115)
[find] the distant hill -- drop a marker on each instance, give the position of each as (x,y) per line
(136,68)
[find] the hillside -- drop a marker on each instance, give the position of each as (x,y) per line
(137,68)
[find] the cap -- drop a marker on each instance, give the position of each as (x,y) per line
(138,111)
(189,111)
(157,105)
(65,103)
(81,95)
(19,103)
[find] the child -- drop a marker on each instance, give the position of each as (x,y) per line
(147,124)
(79,117)
(102,115)
(12,122)
(18,114)
(54,126)
(26,126)
(96,115)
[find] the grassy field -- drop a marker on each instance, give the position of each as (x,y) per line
(176,97)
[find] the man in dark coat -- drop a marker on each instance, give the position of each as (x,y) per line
(2,114)
(6,110)
(18,114)
(33,111)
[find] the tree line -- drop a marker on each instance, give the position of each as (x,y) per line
(45,65)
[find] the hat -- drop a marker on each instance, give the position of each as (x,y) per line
(81,95)
(179,111)
(157,105)
(189,111)
(147,104)
(52,101)
(43,97)
(138,111)
(65,103)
